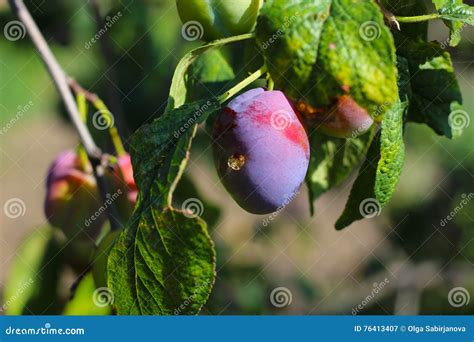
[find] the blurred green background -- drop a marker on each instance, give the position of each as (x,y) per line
(401,262)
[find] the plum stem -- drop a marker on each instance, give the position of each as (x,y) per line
(270,83)
(242,84)
(396,20)
(58,76)
(419,18)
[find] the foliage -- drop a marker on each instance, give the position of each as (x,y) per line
(164,261)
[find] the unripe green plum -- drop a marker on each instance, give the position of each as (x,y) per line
(218,18)
(344,119)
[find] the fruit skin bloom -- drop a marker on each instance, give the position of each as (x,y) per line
(261,150)
(72,198)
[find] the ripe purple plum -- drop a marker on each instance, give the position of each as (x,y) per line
(72,198)
(344,119)
(261,150)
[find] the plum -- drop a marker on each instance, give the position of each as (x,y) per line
(344,119)
(120,177)
(72,198)
(261,150)
(73,202)
(214,19)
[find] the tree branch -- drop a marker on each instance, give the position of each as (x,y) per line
(60,80)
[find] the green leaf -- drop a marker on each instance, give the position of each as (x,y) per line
(332,161)
(435,92)
(87,299)
(318,50)
(178,89)
(167,266)
(186,190)
(162,256)
(456,15)
(381,171)
(208,76)
(31,287)
(392,154)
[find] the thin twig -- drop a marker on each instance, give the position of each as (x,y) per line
(60,80)
(77,88)
(100,105)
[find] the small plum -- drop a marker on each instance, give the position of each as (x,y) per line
(261,150)
(120,177)
(344,119)
(218,18)
(72,198)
